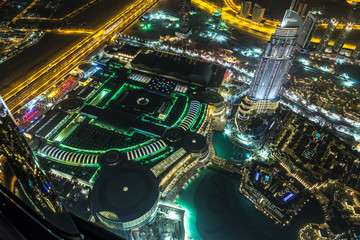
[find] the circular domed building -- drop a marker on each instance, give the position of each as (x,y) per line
(212,98)
(71,104)
(196,144)
(173,135)
(125,195)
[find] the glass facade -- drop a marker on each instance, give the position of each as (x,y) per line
(274,65)
(21,176)
(273,68)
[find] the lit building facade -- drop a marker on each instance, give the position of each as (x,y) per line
(257,13)
(345,32)
(245,9)
(328,34)
(308,30)
(273,68)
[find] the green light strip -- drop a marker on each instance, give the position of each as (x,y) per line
(99,97)
(70,163)
(203,114)
(183,113)
(102,87)
(149,155)
(93,178)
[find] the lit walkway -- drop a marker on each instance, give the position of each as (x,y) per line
(145,151)
(190,116)
(69,157)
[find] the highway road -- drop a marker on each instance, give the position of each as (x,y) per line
(60,67)
(22,66)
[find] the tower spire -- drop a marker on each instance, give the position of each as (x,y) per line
(272,70)
(293,2)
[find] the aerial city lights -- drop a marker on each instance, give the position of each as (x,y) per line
(186,119)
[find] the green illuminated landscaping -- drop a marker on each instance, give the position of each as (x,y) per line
(115,90)
(88,136)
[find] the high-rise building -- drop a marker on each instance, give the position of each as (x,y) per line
(272,69)
(257,13)
(24,180)
(245,9)
(353,14)
(300,7)
(328,34)
(345,32)
(184,15)
(356,53)
(311,21)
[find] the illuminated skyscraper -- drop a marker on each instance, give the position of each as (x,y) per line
(345,32)
(245,9)
(272,69)
(24,180)
(328,34)
(356,53)
(184,15)
(257,13)
(308,30)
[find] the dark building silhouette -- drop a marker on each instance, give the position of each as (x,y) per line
(311,21)
(184,15)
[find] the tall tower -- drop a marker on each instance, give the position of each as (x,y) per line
(184,15)
(257,13)
(245,9)
(356,53)
(272,69)
(328,34)
(345,32)
(308,30)
(21,176)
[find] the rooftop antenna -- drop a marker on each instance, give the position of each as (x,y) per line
(293,2)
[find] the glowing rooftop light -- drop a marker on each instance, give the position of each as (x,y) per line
(264,153)
(304,61)
(349,83)
(258,50)
(220,38)
(172,215)
(357,137)
(345,75)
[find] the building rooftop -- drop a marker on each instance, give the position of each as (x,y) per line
(194,142)
(127,50)
(190,70)
(124,192)
(209,97)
